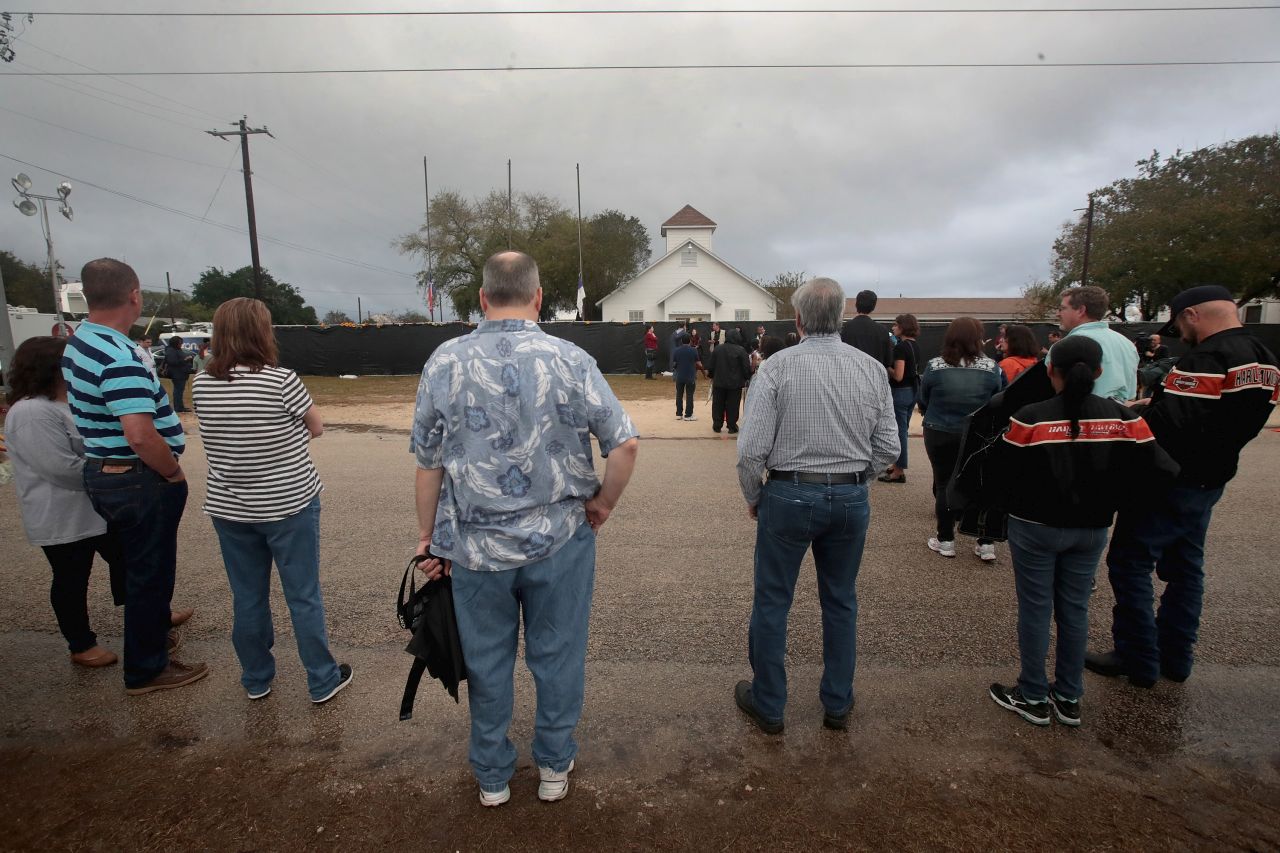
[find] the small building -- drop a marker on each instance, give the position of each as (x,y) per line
(689,282)
(947,308)
(1260,311)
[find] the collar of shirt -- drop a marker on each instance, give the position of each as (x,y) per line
(100,329)
(485,327)
(1090,326)
(821,340)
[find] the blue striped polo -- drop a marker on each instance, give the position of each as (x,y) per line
(106,379)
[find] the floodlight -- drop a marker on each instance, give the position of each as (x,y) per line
(66,211)
(26,205)
(64,189)
(21,182)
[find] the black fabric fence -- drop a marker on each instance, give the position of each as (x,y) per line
(616,347)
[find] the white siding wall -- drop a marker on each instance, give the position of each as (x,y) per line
(643,293)
(677,236)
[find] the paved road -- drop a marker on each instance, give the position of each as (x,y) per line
(666,761)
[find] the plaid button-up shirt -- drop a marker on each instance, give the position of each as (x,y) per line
(821,407)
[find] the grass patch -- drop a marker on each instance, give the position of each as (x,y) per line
(330,390)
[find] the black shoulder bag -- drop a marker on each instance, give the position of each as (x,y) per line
(427,612)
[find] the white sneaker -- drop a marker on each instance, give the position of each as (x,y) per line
(261,694)
(554,786)
(690,418)
(496,798)
(946,549)
(986,553)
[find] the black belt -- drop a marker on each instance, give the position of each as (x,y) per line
(855,478)
(127,464)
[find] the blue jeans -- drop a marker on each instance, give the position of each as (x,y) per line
(1053,571)
(248,550)
(1167,535)
(179,381)
(143,512)
(555,597)
(793,517)
(904,401)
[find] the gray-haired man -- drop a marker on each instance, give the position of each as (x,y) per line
(819,420)
(508,499)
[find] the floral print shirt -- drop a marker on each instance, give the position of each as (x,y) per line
(508,411)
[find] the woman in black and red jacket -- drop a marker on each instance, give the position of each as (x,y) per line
(1068,463)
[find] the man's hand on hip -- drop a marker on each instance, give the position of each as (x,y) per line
(753,512)
(598,512)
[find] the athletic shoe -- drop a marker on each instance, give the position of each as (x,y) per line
(716,430)
(679,417)
(259,694)
(344,678)
(986,553)
(690,418)
(946,549)
(554,786)
(496,798)
(733,430)
(1011,698)
(1066,710)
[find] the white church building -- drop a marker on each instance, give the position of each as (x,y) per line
(689,282)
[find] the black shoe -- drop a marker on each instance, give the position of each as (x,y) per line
(836,722)
(732,430)
(1111,665)
(1171,674)
(1011,698)
(716,430)
(1066,710)
(742,695)
(344,678)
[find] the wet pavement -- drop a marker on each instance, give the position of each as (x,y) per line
(666,760)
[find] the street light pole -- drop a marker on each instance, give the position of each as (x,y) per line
(29,205)
(53,266)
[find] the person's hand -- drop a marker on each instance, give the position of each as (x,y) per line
(753,512)
(598,512)
(1145,401)
(432,567)
(178,476)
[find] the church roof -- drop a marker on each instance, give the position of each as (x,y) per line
(687,217)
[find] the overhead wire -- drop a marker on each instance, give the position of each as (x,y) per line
(445,13)
(111,141)
(72,86)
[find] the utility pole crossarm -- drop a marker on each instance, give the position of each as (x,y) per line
(244,132)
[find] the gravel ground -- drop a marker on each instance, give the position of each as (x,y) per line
(666,762)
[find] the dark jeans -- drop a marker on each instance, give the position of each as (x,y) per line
(144,512)
(1167,535)
(792,518)
(684,390)
(724,407)
(943,448)
(71,563)
(179,381)
(650,360)
(1053,573)
(904,401)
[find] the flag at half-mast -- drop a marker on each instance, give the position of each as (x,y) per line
(582,295)
(431,294)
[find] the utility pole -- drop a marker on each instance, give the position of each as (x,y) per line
(244,132)
(508,204)
(6,339)
(1088,238)
(359,312)
(173,324)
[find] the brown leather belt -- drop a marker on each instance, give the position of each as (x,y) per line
(856,478)
(123,465)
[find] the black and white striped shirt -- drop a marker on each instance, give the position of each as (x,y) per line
(259,467)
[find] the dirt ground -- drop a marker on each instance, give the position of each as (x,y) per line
(666,761)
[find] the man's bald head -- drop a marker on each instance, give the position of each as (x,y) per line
(510,279)
(107,283)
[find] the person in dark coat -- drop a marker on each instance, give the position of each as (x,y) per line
(729,369)
(177,363)
(865,334)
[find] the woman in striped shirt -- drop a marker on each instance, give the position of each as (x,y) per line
(256,419)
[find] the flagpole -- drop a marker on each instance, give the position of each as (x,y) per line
(577,168)
(431,293)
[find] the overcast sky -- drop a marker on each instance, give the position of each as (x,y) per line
(913,181)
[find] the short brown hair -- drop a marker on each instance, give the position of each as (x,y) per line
(1091,298)
(962,341)
(36,369)
(908,325)
(242,335)
(1020,341)
(107,283)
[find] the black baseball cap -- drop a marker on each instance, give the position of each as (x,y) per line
(1193,296)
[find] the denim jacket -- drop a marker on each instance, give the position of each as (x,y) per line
(949,394)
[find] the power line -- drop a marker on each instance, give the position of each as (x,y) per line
(713,66)
(224,226)
(112,141)
(1063,10)
(70,86)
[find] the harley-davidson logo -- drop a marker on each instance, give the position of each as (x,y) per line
(1185,383)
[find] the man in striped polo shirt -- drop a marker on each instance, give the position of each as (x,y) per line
(132,443)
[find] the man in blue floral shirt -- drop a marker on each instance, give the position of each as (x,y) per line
(508,500)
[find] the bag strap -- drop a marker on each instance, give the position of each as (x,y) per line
(411,688)
(410,581)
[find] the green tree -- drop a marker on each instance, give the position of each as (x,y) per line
(335,318)
(465,233)
(1211,215)
(1042,300)
(783,286)
(411,316)
(26,284)
(284,301)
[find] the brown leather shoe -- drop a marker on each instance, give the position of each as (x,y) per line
(94,657)
(172,641)
(176,674)
(180,617)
